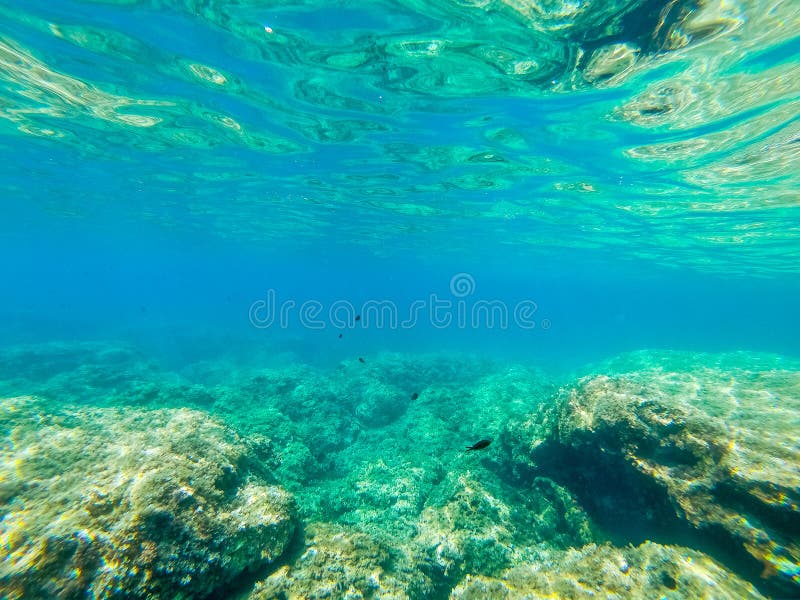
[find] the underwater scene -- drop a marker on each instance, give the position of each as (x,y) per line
(400,300)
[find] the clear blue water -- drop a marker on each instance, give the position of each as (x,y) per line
(167,163)
(156,288)
(631,169)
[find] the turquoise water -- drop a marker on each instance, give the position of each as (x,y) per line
(200,198)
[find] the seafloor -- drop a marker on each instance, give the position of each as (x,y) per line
(652,475)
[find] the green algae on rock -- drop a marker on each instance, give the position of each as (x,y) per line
(468,527)
(94,373)
(647,571)
(134,502)
(339,562)
(474,524)
(402,489)
(701,449)
(130,503)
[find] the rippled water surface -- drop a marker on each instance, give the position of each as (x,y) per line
(655,130)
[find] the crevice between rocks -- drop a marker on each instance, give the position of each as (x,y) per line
(630,508)
(242,585)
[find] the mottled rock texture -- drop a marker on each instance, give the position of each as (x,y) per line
(707,455)
(129,503)
(647,571)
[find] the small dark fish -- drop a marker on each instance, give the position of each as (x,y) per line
(361,360)
(358,317)
(479,445)
(340,336)
(414,396)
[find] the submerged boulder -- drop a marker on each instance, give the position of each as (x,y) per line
(129,503)
(707,456)
(647,571)
(472,525)
(339,562)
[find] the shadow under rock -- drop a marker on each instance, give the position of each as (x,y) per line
(631,508)
(241,587)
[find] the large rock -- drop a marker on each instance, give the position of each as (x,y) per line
(708,456)
(475,526)
(339,563)
(646,571)
(129,503)
(469,527)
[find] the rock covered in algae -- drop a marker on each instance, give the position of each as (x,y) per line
(341,563)
(389,494)
(472,532)
(475,524)
(468,527)
(712,448)
(647,571)
(129,503)
(330,426)
(399,535)
(94,373)
(425,512)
